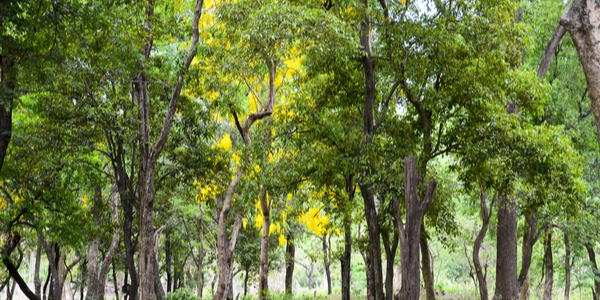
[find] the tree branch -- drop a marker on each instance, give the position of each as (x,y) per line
(550,49)
(385,105)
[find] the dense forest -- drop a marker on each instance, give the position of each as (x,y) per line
(299,149)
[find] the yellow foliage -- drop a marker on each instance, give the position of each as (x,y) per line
(244,221)
(225,142)
(282,240)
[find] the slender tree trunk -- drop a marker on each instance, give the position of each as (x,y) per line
(485,217)
(506,262)
(529,240)
(426,267)
(263,280)
(592,257)
(246,280)
(36,273)
(115,281)
(390,254)
(290,256)
(409,244)
(345,260)
(7,95)
(92,255)
(549,265)
(201,256)
(112,248)
(48,277)
(168,260)
(567,266)
(326,264)
(369,270)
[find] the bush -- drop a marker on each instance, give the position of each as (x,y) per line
(182,294)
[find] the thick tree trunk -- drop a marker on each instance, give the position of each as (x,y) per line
(374,241)
(369,271)
(263,279)
(592,257)
(326,264)
(582,21)
(549,265)
(567,267)
(409,236)
(36,273)
(426,267)
(290,257)
(485,217)
(506,262)
(129,247)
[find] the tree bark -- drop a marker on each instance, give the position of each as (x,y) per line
(263,279)
(345,260)
(168,260)
(592,257)
(225,248)
(36,273)
(246,280)
(409,244)
(11,242)
(390,254)
(485,217)
(582,21)
(549,265)
(114,244)
(290,256)
(567,266)
(149,154)
(326,264)
(426,267)
(506,262)
(549,51)
(529,240)
(7,95)
(92,255)
(201,255)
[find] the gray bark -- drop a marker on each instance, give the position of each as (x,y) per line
(409,236)
(549,265)
(485,217)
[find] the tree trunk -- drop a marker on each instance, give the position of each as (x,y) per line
(369,271)
(290,256)
(485,217)
(246,280)
(114,245)
(549,265)
(263,279)
(225,248)
(409,244)
(201,256)
(592,256)
(115,281)
(345,260)
(168,259)
(529,240)
(374,242)
(11,241)
(92,255)
(326,264)
(149,153)
(426,267)
(36,273)
(7,95)
(567,266)
(390,254)
(506,262)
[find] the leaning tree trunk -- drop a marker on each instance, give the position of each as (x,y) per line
(529,240)
(409,236)
(290,256)
(582,21)
(149,153)
(549,265)
(226,248)
(485,217)
(113,247)
(592,257)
